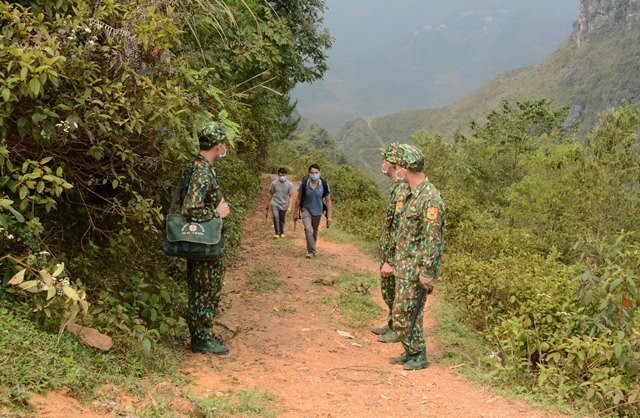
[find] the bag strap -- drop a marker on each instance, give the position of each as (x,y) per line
(174,199)
(325,187)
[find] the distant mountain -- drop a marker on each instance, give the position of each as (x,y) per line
(407,54)
(596,68)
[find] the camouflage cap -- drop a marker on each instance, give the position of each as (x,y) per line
(212,133)
(390,153)
(410,157)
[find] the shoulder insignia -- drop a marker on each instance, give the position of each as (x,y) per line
(399,206)
(432,213)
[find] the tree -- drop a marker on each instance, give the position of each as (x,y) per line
(496,152)
(101,101)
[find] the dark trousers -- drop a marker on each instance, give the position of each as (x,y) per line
(278,219)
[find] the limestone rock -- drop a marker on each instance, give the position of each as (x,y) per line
(91,337)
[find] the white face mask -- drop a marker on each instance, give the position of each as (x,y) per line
(383,170)
(399,177)
(224,154)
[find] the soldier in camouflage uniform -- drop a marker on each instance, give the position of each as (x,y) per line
(397,196)
(202,200)
(419,246)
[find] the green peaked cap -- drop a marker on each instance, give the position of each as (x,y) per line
(390,153)
(410,157)
(212,133)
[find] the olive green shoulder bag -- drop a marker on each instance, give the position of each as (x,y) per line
(189,239)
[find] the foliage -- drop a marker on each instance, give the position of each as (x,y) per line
(309,141)
(255,402)
(100,102)
(354,300)
(263,279)
(356,199)
(36,361)
(542,249)
(52,292)
(590,79)
(358,203)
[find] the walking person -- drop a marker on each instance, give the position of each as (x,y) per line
(313,199)
(280,201)
(397,196)
(202,200)
(419,246)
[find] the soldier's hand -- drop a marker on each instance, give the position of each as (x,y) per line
(426,282)
(223,208)
(386,270)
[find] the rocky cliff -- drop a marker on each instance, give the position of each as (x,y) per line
(594,15)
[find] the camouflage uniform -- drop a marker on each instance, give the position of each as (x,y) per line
(395,203)
(419,246)
(200,196)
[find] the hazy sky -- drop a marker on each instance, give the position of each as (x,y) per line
(405,54)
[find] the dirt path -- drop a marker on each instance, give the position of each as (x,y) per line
(287,343)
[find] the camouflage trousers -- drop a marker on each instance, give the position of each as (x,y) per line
(388,287)
(404,306)
(204,279)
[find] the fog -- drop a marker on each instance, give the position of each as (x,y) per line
(406,54)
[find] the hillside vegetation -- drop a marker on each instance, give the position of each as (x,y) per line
(589,79)
(543,249)
(99,106)
(98,113)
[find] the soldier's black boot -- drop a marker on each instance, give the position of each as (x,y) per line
(389,337)
(213,346)
(401,359)
(381,330)
(416,361)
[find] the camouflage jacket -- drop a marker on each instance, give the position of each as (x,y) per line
(420,236)
(200,191)
(397,196)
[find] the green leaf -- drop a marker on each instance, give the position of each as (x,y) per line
(34,86)
(84,305)
(590,393)
(24,191)
(617,350)
(146,346)
(51,292)
(6,94)
(15,213)
(614,285)
(29,285)
(59,270)
(40,187)
(38,117)
(70,293)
